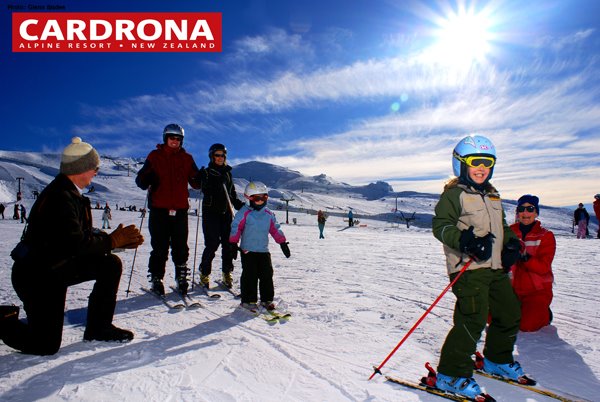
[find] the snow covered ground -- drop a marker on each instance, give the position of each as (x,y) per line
(353,296)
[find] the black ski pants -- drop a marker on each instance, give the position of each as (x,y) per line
(166,230)
(44,293)
(257,270)
(216,228)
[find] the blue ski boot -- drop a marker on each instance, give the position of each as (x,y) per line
(510,371)
(458,385)
(461,386)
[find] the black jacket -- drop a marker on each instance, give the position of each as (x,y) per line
(217,186)
(60,227)
(581,213)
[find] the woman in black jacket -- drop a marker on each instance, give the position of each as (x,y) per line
(217,213)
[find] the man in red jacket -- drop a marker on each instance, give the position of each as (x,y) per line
(532,274)
(166,174)
(597,211)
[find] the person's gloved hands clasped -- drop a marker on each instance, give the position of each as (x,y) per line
(478,247)
(286,249)
(126,237)
(511,253)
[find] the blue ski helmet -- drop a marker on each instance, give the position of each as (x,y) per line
(472,145)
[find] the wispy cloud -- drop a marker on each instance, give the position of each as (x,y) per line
(542,113)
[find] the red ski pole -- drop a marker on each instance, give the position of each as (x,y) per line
(377,370)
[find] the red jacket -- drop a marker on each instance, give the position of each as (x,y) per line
(535,274)
(597,209)
(167,172)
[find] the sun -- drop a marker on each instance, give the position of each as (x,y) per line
(462,36)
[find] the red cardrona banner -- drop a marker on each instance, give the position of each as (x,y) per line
(116,32)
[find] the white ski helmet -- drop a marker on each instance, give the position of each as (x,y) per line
(254,188)
(472,145)
(173,129)
(597,196)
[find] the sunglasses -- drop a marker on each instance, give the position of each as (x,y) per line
(488,162)
(219,155)
(528,208)
(258,197)
(174,137)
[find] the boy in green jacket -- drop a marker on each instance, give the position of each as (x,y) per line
(470,222)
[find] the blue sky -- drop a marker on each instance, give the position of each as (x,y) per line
(359,90)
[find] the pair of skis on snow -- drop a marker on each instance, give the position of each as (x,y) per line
(267,315)
(190,303)
(270,316)
(187,301)
(426,386)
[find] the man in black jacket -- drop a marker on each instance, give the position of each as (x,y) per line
(217,213)
(60,248)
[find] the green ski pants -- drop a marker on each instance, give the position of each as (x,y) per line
(479,293)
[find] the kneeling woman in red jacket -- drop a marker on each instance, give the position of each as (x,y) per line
(532,274)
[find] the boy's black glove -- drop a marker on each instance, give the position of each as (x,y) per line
(478,247)
(511,252)
(286,250)
(233,249)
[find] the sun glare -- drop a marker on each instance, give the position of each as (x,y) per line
(462,37)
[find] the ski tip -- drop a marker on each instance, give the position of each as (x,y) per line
(526,380)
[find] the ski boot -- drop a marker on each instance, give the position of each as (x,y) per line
(108,334)
(228,279)
(204,280)
(269,305)
(461,386)
(157,286)
(181,272)
(511,371)
(253,307)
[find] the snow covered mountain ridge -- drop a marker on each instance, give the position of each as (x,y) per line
(29,172)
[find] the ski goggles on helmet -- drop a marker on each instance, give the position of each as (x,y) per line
(477,160)
(523,208)
(258,197)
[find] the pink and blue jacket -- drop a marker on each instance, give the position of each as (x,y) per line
(253,227)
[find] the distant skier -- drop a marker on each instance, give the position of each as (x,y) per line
(321,219)
(532,273)
(16,212)
(253,224)
(106,217)
(596,211)
(350,218)
(23,214)
(2,208)
(470,222)
(581,217)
